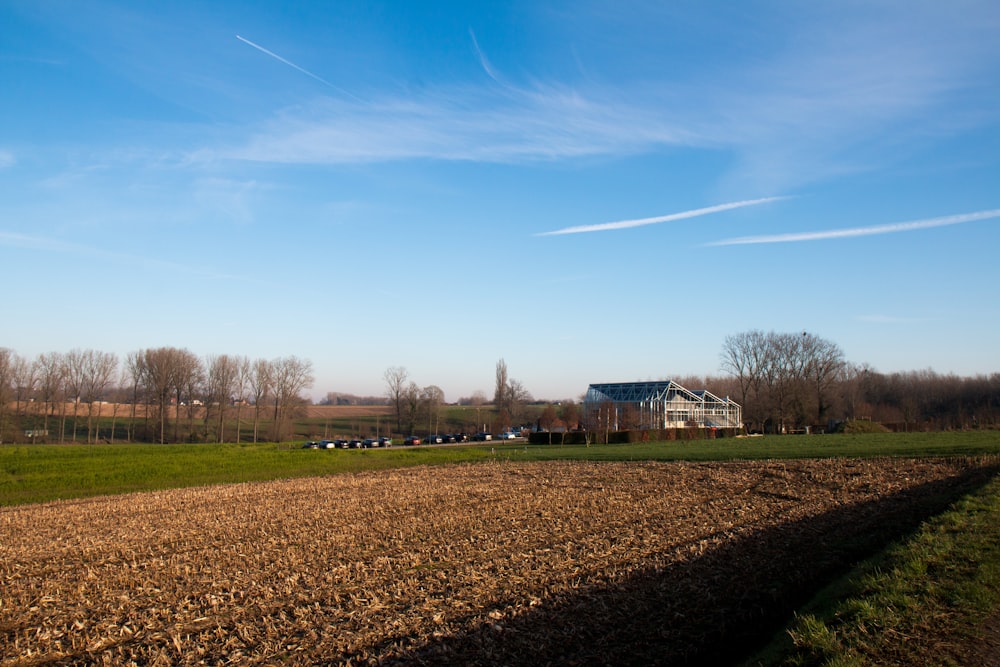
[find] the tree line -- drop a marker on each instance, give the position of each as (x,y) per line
(787,381)
(417,408)
(161,394)
(784,382)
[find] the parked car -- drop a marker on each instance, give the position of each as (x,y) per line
(385,441)
(482,437)
(412,440)
(367,443)
(448,437)
(507,435)
(433,440)
(327,444)
(340,443)
(353,444)
(311,444)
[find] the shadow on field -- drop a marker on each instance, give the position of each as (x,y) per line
(714,609)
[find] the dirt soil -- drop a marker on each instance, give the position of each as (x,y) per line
(486,564)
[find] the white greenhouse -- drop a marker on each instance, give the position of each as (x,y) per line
(623,406)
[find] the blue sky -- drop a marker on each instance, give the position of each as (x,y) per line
(592,191)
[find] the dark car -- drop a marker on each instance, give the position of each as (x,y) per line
(412,440)
(312,444)
(369,442)
(385,441)
(448,437)
(354,444)
(433,440)
(482,437)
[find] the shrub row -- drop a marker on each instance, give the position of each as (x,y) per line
(622,437)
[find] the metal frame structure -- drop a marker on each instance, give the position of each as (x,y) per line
(623,406)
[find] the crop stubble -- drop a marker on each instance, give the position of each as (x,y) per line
(517,563)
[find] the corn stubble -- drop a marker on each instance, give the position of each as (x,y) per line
(499,563)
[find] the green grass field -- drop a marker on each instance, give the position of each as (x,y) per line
(38,473)
(925,601)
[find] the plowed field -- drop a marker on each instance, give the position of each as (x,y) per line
(503,563)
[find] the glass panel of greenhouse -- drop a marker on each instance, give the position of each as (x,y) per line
(624,406)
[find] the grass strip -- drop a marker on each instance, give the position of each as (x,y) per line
(40,473)
(930,600)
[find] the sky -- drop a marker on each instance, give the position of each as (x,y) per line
(590,191)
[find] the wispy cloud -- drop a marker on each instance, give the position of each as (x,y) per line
(805,113)
(851,91)
(841,94)
(500,126)
(639,222)
(483,61)
(45,244)
(16,240)
(891,228)
(6,159)
(293,65)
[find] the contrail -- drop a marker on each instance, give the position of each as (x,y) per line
(625,224)
(46,244)
(484,63)
(891,228)
(291,64)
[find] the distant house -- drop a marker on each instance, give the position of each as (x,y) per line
(621,406)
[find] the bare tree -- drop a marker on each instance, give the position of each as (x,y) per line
(243,377)
(395,386)
(509,397)
(789,364)
(184,377)
(851,389)
(291,376)
(134,367)
(7,361)
(223,375)
(160,376)
(99,370)
(411,406)
(570,415)
(518,397)
(501,394)
(260,383)
(431,399)
(824,367)
(548,420)
(478,399)
(51,373)
(744,357)
(783,378)
(602,417)
(25,379)
(120,395)
(76,373)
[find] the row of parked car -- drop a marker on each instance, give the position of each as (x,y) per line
(409,441)
(356,443)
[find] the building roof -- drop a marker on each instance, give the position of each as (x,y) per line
(660,390)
